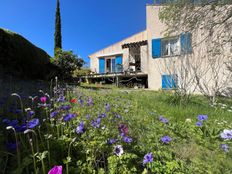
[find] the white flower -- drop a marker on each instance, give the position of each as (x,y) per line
(118,150)
(226,134)
(188,120)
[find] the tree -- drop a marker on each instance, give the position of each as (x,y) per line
(58,37)
(68,63)
(210,22)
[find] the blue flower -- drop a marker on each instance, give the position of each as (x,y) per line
(96,123)
(53,114)
(202,117)
(6,121)
(118,150)
(166,139)
(148,158)
(65,107)
(30,113)
(163,120)
(199,124)
(107,107)
(87,116)
(61,99)
(127,139)
(225,147)
(112,141)
(80,128)
(226,134)
(103,115)
(68,117)
(33,123)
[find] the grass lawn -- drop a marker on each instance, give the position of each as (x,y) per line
(120,131)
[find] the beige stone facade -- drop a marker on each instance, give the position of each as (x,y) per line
(183,66)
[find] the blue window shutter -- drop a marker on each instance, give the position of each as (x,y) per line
(169,81)
(101,65)
(186,43)
(118,63)
(113,65)
(156,48)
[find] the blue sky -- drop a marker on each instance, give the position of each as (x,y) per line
(87,25)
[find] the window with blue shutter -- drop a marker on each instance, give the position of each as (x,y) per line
(186,43)
(101,65)
(169,81)
(118,63)
(156,48)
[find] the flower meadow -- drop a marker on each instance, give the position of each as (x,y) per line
(107,131)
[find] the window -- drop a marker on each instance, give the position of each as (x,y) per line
(170,46)
(169,81)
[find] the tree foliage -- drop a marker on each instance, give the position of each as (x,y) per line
(58,37)
(68,63)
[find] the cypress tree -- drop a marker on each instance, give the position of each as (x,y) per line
(58,39)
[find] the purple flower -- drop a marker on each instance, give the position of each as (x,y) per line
(123,129)
(11,146)
(68,117)
(13,123)
(61,99)
(56,170)
(53,114)
(90,102)
(103,115)
(43,99)
(226,134)
(118,150)
(148,158)
(225,147)
(202,117)
(112,141)
(80,128)
(96,123)
(87,116)
(65,107)
(21,128)
(163,120)
(127,139)
(33,123)
(166,139)
(107,107)
(6,121)
(199,124)
(30,113)
(81,102)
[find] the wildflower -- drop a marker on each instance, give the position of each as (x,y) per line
(80,128)
(103,115)
(43,99)
(33,123)
(81,102)
(56,170)
(148,158)
(202,117)
(73,100)
(166,139)
(90,102)
(11,146)
(61,98)
(118,150)
(87,116)
(127,139)
(65,107)
(225,147)
(163,120)
(68,117)
(226,134)
(30,113)
(96,123)
(53,114)
(107,107)
(123,129)
(112,141)
(199,124)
